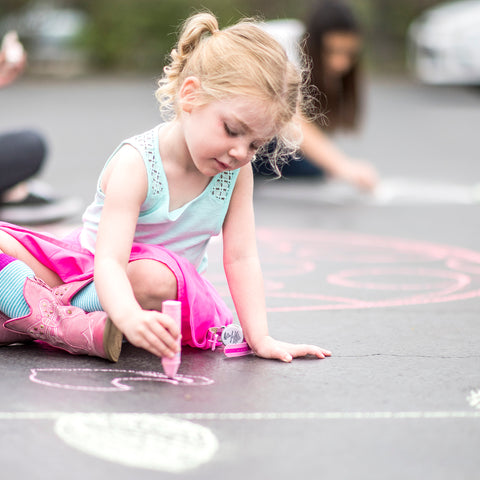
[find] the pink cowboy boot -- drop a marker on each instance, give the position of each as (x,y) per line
(7,337)
(64,293)
(65,326)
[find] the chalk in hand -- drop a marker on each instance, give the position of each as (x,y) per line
(173,309)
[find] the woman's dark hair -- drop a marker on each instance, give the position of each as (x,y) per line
(342,100)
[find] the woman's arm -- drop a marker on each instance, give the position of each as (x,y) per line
(322,152)
(244,276)
(125,187)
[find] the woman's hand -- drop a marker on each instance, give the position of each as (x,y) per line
(274,349)
(154,331)
(12,59)
(359,173)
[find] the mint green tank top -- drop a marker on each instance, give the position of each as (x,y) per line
(187,230)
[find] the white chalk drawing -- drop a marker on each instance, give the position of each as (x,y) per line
(139,440)
(474,399)
(173,443)
(107,379)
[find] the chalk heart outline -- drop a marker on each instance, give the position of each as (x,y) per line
(139,440)
(111,379)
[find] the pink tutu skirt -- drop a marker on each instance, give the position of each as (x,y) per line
(202,306)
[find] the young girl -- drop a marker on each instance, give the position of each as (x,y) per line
(159,199)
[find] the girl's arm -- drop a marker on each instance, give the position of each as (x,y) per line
(125,186)
(322,152)
(244,276)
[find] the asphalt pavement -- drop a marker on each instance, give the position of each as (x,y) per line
(390,283)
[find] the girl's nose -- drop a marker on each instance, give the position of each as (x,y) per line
(241,152)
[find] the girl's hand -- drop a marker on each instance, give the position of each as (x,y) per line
(154,331)
(271,348)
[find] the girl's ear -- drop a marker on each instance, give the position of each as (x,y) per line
(188,94)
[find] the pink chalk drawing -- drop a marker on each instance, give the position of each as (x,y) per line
(107,379)
(309,270)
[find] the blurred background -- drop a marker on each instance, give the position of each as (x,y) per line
(93,65)
(70,37)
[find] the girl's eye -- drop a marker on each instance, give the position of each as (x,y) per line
(230,132)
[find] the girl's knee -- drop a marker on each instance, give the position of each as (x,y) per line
(152,283)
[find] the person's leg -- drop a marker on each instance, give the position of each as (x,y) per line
(15,249)
(152,282)
(28,266)
(295,166)
(33,310)
(23,201)
(22,154)
(64,326)
(171,277)
(87,299)
(301,167)
(16,265)
(13,274)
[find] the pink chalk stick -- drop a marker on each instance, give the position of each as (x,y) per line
(173,309)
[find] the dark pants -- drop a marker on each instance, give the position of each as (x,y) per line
(22,154)
(295,167)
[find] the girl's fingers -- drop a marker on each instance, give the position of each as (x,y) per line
(270,348)
(168,323)
(281,354)
(156,333)
(158,346)
(304,350)
(163,333)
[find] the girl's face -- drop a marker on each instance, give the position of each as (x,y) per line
(340,51)
(225,135)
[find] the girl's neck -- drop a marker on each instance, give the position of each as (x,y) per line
(173,148)
(185,182)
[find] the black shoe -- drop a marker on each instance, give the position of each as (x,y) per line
(37,208)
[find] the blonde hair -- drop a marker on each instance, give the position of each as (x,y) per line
(239,60)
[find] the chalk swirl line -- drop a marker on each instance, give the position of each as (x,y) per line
(116,384)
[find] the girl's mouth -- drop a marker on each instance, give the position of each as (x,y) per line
(223,166)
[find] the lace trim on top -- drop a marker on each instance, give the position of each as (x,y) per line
(222,185)
(147,145)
